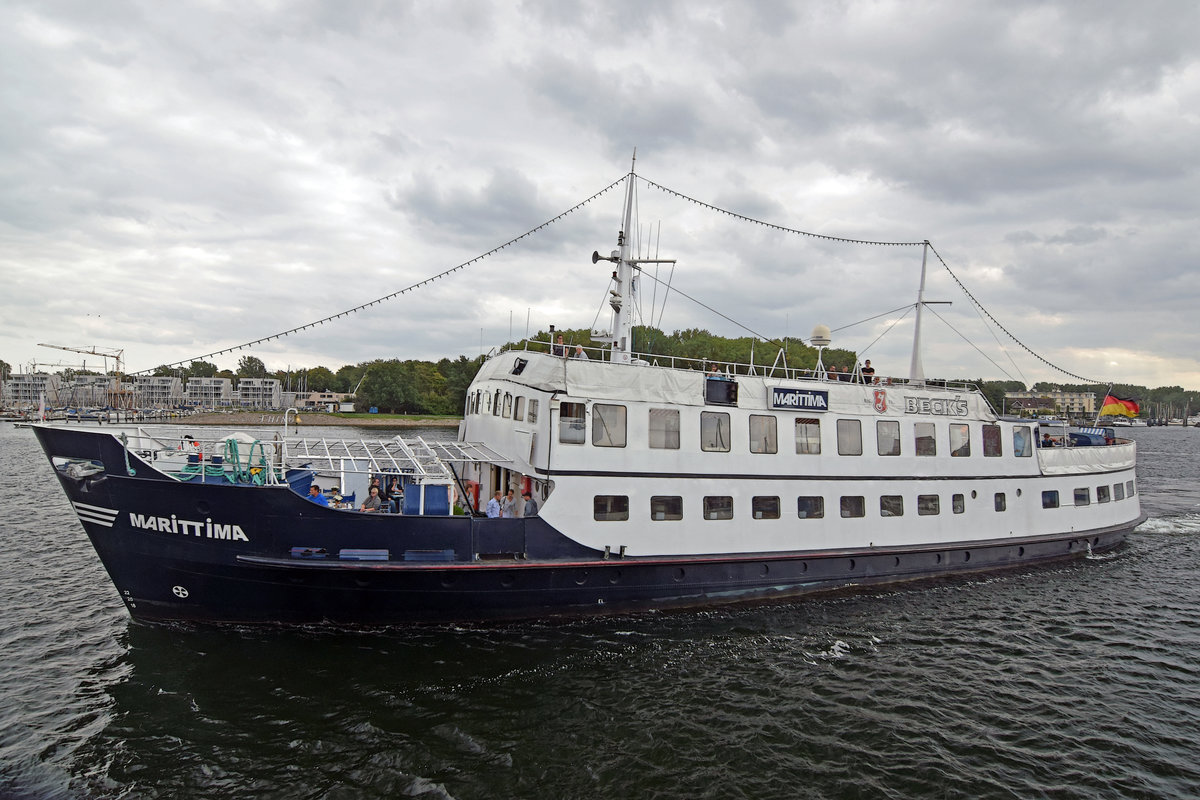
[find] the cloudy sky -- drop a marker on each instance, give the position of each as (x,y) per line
(178,178)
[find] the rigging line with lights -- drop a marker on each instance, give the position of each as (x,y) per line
(632,177)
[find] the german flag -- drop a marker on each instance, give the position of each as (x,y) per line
(1114,405)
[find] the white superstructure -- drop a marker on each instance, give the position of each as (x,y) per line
(659,461)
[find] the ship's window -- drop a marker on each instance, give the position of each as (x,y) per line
(849,435)
(533,404)
(923,433)
(718,508)
(496,404)
(1129,489)
(960,440)
(928,505)
(487,403)
(991,441)
(1119,491)
(765,507)
(1022,442)
(891,505)
(854,507)
(808,436)
(810,507)
(610,507)
(714,431)
(608,425)
(1083,497)
(664,428)
(1050,499)
(762,434)
(887,437)
(1102,494)
(1001,501)
(571,423)
(958,503)
(663,508)
(519,408)
(507,405)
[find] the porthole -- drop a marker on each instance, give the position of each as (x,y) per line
(614,576)
(679,573)
(203,508)
(804,566)
(581,578)
(938,558)
(897,561)
(764,569)
(1096,542)
(1018,492)
(1070,546)
(508,579)
(449,580)
(967,556)
(973,494)
(1020,551)
(852,565)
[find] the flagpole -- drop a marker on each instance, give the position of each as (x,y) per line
(1101,408)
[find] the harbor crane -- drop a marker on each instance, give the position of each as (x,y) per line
(117,396)
(104,352)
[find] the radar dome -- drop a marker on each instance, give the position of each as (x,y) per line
(820,336)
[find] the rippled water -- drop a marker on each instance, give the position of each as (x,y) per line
(1080,680)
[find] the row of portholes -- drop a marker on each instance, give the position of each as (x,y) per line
(509,579)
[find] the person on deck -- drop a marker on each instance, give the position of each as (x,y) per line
(372,503)
(868,372)
(314,494)
(559,349)
(493,506)
(508,506)
(531,506)
(579,353)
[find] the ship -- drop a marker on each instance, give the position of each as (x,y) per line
(653,484)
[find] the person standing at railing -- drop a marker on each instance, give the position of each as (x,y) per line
(531,506)
(508,506)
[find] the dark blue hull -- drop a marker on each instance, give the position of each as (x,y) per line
(228,553)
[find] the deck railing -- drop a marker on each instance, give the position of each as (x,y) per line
(733,368)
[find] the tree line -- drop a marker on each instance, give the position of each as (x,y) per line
(440,387)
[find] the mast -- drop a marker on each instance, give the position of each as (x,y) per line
(916,372)
(623,294)
(623,297)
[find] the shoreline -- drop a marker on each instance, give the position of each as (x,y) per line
(260,419)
